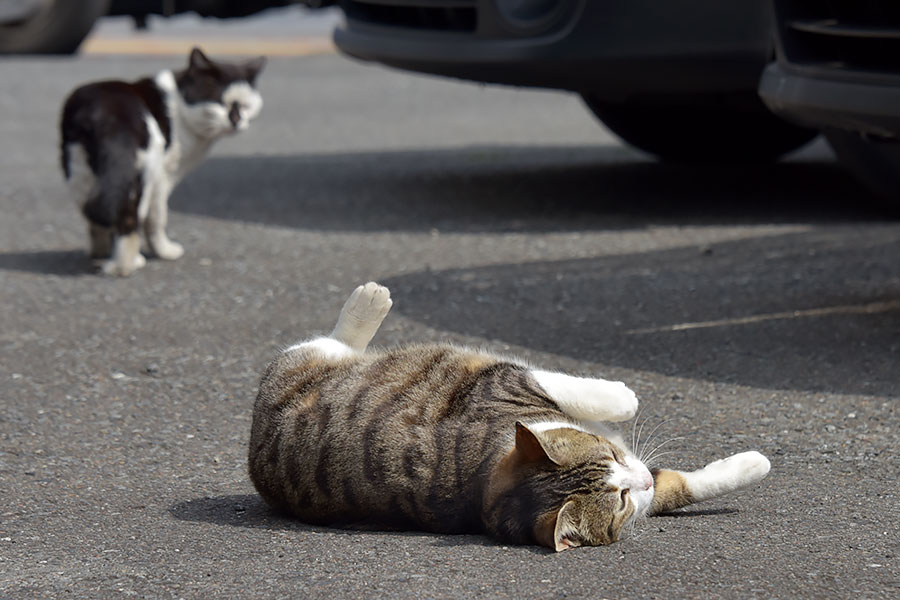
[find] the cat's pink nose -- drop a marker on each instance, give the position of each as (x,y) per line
(648,480)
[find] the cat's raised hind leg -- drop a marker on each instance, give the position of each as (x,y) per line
(588,399)
(674,489)
(362,315)
(360,318)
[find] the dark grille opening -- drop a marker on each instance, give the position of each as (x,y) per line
(842,34)
(434,16)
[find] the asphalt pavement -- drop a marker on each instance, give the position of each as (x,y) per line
(748,307)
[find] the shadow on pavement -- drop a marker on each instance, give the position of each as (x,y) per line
(709,512)
(772,312)
(50,262)
(486,189)
(249,510)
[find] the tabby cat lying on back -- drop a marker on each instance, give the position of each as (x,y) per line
(125,146)
(447,439)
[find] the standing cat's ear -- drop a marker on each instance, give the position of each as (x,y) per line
(558,529)
(529,446)
(254,68)
(198,60)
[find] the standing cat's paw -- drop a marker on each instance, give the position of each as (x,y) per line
(168,250)
(115,268)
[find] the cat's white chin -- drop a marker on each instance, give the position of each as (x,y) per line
(642,500)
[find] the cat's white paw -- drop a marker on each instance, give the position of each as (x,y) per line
(728,474)
(619,401)
(744,468)
(368,303)
(362,314)
(168,250)
(589,399)
(117,268)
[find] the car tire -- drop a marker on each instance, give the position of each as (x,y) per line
(731,129)
(58,28)
(874,161)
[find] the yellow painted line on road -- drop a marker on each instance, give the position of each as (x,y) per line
(221,47)
(828,311)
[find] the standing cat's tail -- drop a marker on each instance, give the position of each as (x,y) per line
(674,489)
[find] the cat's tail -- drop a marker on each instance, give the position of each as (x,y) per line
(362,315)
(674,489)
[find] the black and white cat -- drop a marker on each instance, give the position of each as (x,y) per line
(125,146)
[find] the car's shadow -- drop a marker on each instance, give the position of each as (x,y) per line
(486,189)
(772,312)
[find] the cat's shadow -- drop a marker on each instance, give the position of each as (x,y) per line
(250,511)
(67,263)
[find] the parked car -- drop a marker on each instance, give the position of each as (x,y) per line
(676,78)
(838,70)
(59,26)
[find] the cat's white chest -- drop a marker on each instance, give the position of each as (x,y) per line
(184,153)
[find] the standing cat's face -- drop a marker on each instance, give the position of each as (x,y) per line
(581,489)
(220,98)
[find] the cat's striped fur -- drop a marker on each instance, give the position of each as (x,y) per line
(448,439)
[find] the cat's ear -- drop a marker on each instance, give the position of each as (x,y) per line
(529,446)
(254,68)
(198,60)
(559,530)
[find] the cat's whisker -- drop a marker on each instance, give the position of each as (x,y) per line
(652,434)
(654,461)
(634,439)
(655,452)
(653,455)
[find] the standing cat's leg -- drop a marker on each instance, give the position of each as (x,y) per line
(101,241)
(588,399)
(675,489)
(127,257)
(117,205)
(361,316)
(158,217)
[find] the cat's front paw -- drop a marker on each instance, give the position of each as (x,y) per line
(118,268)
(589,399)
(168,250)
(621,402)
(744,468)
(739,470)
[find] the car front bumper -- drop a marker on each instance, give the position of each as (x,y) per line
(615,49)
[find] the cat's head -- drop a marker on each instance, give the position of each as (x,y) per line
(571,487)
(219,97)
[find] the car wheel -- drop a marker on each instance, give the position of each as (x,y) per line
(57,27)
(731,129)
(874,160)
